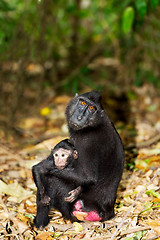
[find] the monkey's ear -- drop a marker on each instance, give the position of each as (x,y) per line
(76,95)
(75,154)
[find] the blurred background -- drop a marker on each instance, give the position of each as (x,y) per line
(51,48)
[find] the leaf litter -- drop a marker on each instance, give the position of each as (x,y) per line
(18,191)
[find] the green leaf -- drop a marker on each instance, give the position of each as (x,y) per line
(147,205)
(158,206)
(152,108)
(5,7)
(127,19)
(136,236)
(29,216)
(154,3)
(131,95)
(147,160)
(57,234)
(141,7)
(152,191)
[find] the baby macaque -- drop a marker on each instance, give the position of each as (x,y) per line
(53,191)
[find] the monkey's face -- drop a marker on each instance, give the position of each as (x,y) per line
(82,113)
(62,157)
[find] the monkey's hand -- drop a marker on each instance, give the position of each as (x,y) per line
(73,194)
(45,200)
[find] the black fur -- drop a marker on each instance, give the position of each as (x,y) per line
(101,156)
(51,190)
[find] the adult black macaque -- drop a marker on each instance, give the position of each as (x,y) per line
(52,191)
(101,156)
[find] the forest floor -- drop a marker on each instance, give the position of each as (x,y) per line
(138,201)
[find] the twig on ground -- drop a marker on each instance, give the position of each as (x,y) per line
(154,238)
(129,231)
(137,197)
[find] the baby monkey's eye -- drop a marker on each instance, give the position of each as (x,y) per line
(56,154)
(63,155)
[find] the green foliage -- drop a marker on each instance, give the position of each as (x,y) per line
(7,24)
(153,192)
(154,3)
(66,32)
(80,80)
(131,95)
(136,236)
(127,19)
(146,76)
(5,7)
(141,6)
(130,165)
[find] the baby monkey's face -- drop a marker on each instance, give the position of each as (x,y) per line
(62,157)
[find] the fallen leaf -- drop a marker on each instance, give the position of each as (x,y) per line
(15,190)
(31,122)
(155,225)
(152,192)
(63,237)
(43,236)
(62,99)
(148,151)
(78,227)
(137,236)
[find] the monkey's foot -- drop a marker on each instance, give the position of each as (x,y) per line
(91,216)
(81,215)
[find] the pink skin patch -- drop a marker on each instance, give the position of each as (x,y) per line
(91,216)
(78,206)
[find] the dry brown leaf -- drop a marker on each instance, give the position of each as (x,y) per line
(44,236)
(15,190)
(22,218)
(155,225)
(30,207)
(32,122)
(63,238)
(62,99)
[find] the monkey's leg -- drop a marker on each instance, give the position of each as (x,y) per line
(41,219)
(66,210)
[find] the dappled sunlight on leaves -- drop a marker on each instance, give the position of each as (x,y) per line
(40,134)
(15,190)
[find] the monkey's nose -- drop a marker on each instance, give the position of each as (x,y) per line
(79,118)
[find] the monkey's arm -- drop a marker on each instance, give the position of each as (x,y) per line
(77,175)
(38,171)
(73,194)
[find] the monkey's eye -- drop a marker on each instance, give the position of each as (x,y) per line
(83,103)
(56,154)
(63,155)
(91,107)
